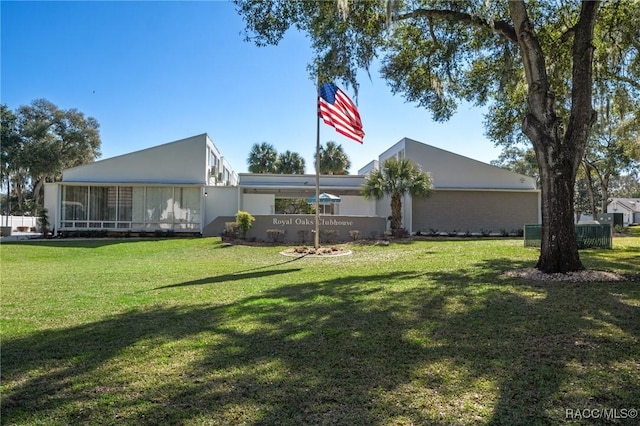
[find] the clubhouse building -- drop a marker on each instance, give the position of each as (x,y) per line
(187,186)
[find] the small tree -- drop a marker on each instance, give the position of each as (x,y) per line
(245,222)
(395,179)
(43,222)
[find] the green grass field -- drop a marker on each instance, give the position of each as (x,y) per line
(197,332)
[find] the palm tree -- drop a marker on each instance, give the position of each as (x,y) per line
(333,160)
(262,158)
(290,163)
(396,178)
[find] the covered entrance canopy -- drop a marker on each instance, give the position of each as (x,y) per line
(325,198)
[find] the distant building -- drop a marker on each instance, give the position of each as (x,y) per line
(629,207)
(187,186)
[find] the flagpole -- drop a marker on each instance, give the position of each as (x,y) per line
(317,221)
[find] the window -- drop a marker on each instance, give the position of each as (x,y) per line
(102,203)
(186,205)
(125,203)
(126,207)
(159,205)
(74,203)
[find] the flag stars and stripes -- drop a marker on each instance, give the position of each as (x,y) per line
(338,111)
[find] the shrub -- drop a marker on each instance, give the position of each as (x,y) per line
(43,222)
(230,229)
(328,235)
(245,222)
(400,233)
(275,235)
(354,234)
(303,234)
(619,229)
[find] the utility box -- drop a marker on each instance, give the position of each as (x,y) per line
(597,236)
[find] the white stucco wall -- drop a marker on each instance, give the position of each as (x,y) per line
(220,201)
(258,203)
(354,205)
(180,162)
(51,196)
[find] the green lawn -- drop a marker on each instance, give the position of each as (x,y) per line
(195,332)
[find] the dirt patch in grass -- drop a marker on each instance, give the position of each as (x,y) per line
(580,276)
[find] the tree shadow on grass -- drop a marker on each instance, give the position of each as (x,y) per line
(625,260)
(258,272)
(236,276)
(462,347)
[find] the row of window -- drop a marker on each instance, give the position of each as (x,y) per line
(126,207)
(218,173)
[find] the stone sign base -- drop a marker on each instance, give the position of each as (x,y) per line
(294,228)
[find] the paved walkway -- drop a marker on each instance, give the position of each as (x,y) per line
(20,236)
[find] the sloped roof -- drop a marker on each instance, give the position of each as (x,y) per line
(631,204)
(454,171)
(179,162)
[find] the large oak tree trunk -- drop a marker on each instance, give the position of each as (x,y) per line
(559,154)
(559,248)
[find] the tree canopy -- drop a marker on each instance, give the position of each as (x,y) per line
(262,158)
(333,159)
(39,141)
(532,65)
(290,163)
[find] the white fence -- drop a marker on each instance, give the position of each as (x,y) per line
(19,223)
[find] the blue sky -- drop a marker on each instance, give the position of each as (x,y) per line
(154,72)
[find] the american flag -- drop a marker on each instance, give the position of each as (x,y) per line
(337,110)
